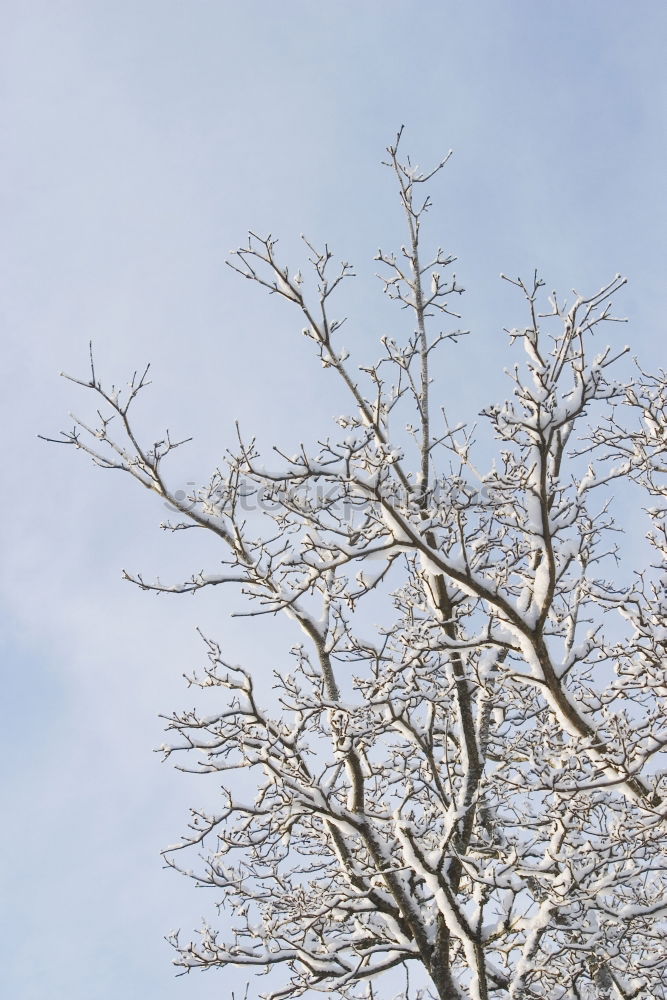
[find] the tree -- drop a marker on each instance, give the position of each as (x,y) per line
(473,786)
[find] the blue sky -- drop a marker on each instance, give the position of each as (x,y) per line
(142,139)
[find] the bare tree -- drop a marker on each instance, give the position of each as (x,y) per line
(475,785)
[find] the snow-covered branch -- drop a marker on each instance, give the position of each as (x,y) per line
(477,784)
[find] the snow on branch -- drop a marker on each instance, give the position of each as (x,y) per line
(475,785)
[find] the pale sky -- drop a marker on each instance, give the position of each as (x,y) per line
(142,139)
